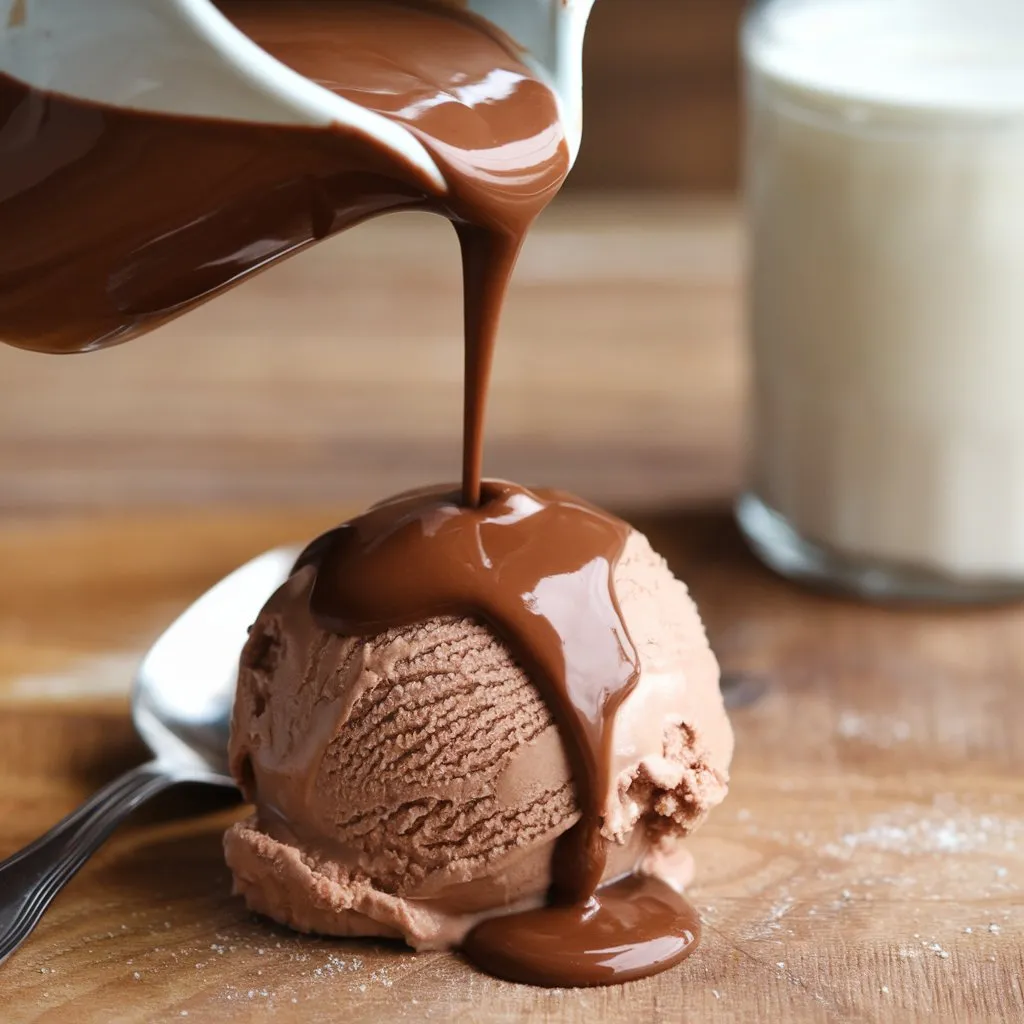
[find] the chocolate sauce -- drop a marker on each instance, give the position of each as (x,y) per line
(632,928)
(538,567)
(114,222)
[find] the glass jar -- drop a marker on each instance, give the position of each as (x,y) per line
(885,199)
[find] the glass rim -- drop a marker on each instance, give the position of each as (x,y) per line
(861,106)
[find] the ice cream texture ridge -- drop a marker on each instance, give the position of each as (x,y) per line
(412,783)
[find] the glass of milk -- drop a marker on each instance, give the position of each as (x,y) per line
(885,182)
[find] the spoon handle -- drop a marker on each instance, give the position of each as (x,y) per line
(31,878)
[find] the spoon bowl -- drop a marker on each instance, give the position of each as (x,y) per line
(185,686)
(181,707)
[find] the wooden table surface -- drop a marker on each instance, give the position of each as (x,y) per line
(868,863)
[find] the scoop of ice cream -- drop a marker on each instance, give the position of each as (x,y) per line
(413,783)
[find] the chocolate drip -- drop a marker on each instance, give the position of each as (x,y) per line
(630,929)
(538,567)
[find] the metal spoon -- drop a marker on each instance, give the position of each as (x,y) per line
(181,707)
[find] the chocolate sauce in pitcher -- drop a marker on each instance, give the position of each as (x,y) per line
(114,222)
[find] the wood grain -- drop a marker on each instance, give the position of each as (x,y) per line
(866,867)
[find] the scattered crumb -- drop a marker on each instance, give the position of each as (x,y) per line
(943,828)
(877,730)
(778,912)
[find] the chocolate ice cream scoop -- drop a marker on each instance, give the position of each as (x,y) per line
(414,782)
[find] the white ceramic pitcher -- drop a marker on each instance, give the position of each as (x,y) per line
(184,57)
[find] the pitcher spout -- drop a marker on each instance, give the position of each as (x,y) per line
(550,33)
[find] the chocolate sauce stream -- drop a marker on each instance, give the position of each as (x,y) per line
(488,260)
(114,222)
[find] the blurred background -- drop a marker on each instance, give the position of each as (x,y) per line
(336,376)
(662,96)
